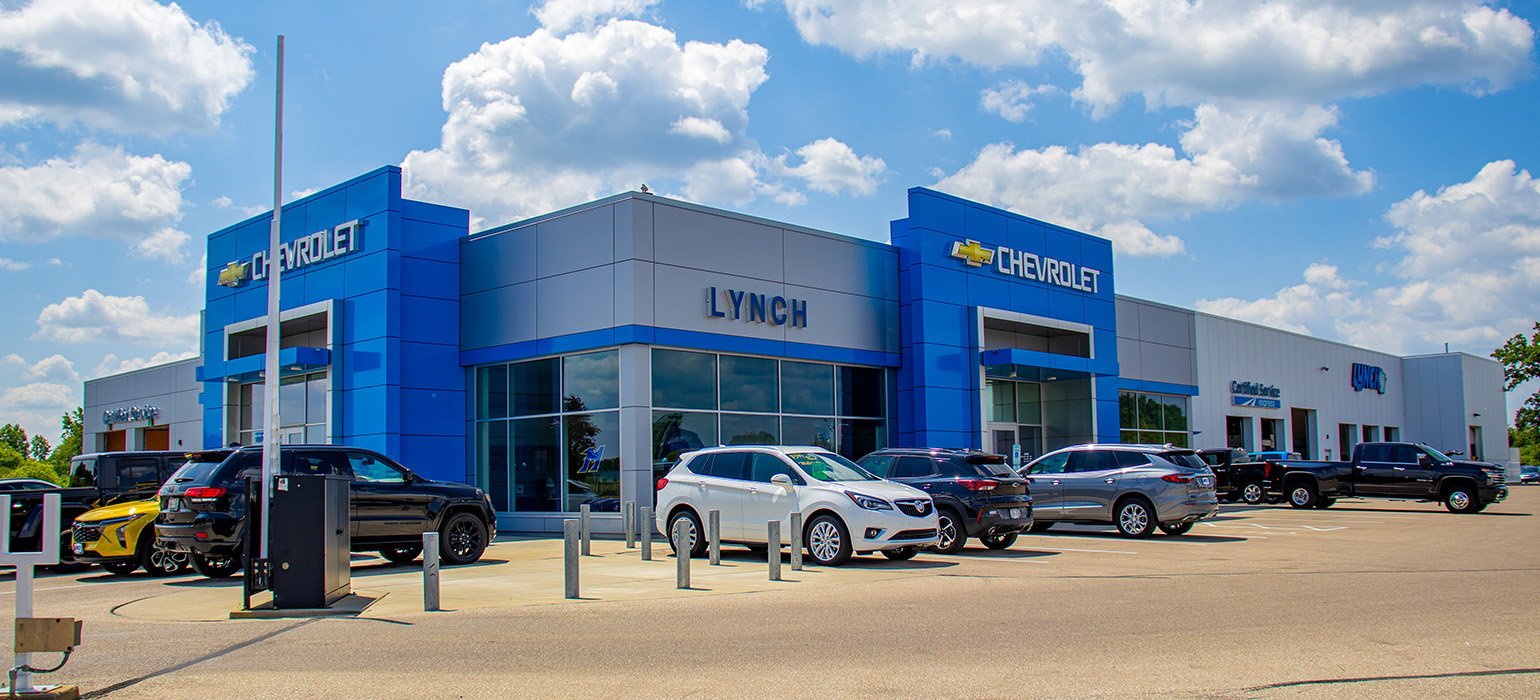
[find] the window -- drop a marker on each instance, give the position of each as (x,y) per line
(301,409)
(763,466)
(138,473)
(807,388)
(1403,454)
(1049,464)
(911,467)
(1153,419)
(308,462)
(749,384)
(683,379)
(1127,459)
(1092,461)
(730,465)
(368,469)
(591,381)
(829,467)
(1375,453)
(880,465)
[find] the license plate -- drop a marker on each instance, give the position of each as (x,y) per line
(80,549)
(1015,513)
(173,504)
(1206,481)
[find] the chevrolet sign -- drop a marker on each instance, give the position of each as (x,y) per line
(1032,266)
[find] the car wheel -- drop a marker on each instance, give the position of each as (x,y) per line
(1136,518)
(1252,493)
(1461,499)
(462,539)
(121,568)
(999,541)
(692,532)
(1303,495)
(215,566)
(1040,526)
(1175,529)
(828,541)
(901,554)
(952,530)
(401,555)
(158,561)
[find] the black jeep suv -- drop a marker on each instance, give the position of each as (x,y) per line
(976,493)
(203,506)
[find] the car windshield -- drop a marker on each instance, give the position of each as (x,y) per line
(198,467)
(830,467)
(1435,454)
(988,465)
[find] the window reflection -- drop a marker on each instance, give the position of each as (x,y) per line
(749,384)
(746,429)
(683,379)
(535,387)
(593,461)
(807,388)
(593,378)
(798,430)
(536,465)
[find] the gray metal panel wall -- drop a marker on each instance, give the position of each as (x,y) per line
(1156,343)
(171,387)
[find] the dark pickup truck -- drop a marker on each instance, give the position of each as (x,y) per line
(1390,470)
(1237,475)
(96,479)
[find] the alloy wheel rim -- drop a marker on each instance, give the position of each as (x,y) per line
(1251,493)
(1133,518)
(462,538)
(167,561)
(1460,500)
(824,540)
(689,532)
(1300,496)
(948,531)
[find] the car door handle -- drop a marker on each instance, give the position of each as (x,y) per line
(1107,480)
(1399,469)
(1055,482)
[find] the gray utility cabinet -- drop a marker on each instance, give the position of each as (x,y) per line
(309,542)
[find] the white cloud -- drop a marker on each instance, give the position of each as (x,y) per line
(126,65)
(10,265)
(545,121)
(832,167)
(1012,99)
(560,16)
(943,134)
(1181,52)
(1468,273)
(110,364)
(97,192)
(96,317)
(38,407)
(54,368)
(1113,189)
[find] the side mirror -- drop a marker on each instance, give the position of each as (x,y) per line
(1424,461)
(782,481)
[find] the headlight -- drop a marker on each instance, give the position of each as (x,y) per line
(869,502)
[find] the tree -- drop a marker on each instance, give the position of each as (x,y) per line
(14,437)
(1521,362)
(39,448)
(71,439)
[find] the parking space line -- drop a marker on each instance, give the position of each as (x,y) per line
(1091,551)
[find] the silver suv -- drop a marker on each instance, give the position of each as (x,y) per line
(1136,487)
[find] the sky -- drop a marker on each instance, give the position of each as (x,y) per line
(1358,170)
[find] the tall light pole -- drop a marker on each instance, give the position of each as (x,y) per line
(274,325)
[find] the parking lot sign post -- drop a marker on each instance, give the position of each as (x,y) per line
(681,555)
(587,529)
(773,550)
(646,525)
(569,531)
(629,524)
(796,542)
(430,571)
(714,535)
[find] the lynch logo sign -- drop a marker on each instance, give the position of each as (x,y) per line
(1031,266)
(739,305)
(1369,377)
(307,250)
(130,413)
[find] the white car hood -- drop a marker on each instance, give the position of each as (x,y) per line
(879,489)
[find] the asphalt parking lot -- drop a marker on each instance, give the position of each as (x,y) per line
(1368,598)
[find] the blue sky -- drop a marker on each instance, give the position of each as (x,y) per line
(1359,170)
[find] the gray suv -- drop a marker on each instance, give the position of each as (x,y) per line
(1136,487)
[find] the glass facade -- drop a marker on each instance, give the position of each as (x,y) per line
(301,410)
(1155,419)
(548,433)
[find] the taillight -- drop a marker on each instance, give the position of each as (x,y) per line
(662,482)
(203,494)
(1177,479)
(978,484)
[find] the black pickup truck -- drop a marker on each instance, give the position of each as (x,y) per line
(1237,476)
(96,479)
(1398,470)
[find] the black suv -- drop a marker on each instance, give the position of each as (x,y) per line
(203,506)
(976,493)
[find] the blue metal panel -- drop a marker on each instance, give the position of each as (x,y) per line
(430,278)
(432,412)
(439,366)
(1157,387)
(430,320)
(435,457)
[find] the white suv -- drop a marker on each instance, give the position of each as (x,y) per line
(845,508)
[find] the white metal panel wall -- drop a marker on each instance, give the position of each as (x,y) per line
(1311,373)
(1486,406)
(172,387)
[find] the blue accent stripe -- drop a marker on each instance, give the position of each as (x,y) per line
(1157,387)
(1048,360)
(651,335)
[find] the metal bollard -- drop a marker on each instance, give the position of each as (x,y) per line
(646,525)
(773,549)
(630,524)
(585,532)
(569,531)
(714,535)
(430,571)
(681,555)
(796,542)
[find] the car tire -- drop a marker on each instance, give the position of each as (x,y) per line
(212,566)
(1303,495)
(462,539)
(1040,526)
(693,532)
(1135,517)
(121,568)
(1175,529)
(1461,499)
(1324,503)
(67,563)
(998,541)
(828,541)
(1253,493)
(401,555)
(952,530)
(158,561)
(901,554)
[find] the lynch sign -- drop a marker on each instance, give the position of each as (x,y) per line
(1369,377)
(1030,266)
(738,305)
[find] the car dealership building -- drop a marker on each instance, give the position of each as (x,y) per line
(569,358)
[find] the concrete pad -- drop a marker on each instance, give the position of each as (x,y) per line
(348,605)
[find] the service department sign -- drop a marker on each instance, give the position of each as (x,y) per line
(1028,266)
(1255,395)
(130,413)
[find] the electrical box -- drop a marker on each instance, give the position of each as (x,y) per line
(44,634)
(310,541)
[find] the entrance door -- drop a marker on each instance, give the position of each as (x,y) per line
(1004,440)
(1302,418)
(157,438)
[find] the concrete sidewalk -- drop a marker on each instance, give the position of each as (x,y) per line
(529,572)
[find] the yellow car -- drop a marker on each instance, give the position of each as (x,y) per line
(121,537)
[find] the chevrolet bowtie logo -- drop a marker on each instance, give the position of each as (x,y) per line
(235,274)
(972,253)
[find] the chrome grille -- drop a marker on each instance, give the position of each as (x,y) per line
(86,534)
(912,535)
(917,507)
